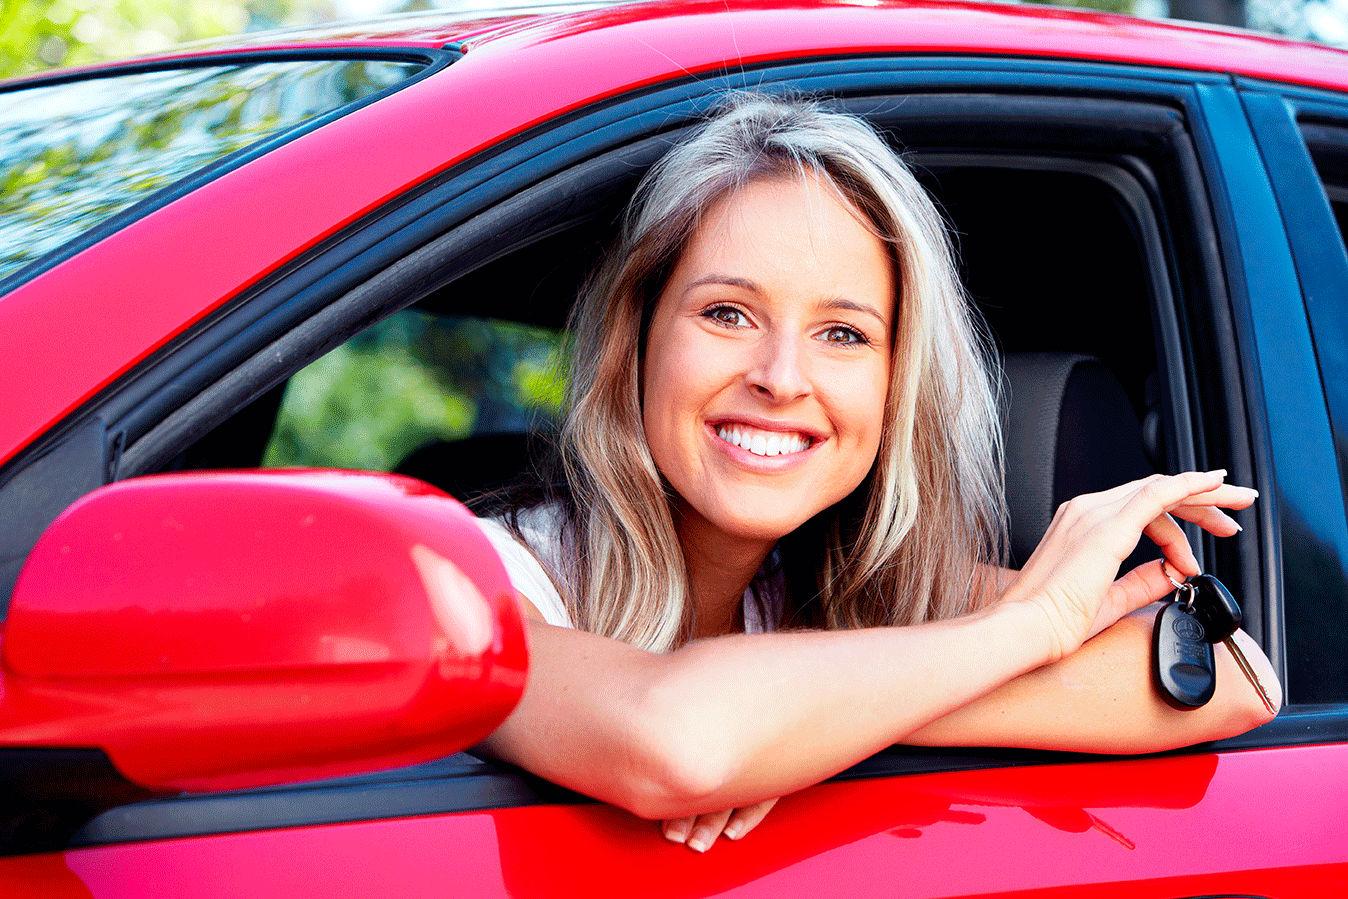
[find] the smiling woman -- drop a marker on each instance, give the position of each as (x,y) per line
(781,420)
(766,369)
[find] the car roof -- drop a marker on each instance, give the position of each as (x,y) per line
(708,32)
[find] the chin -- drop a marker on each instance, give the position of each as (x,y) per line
(768,528)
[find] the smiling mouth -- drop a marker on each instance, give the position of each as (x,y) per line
(763,443)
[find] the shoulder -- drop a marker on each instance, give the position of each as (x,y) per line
(532,563)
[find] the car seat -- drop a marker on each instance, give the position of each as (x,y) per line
(1069,429)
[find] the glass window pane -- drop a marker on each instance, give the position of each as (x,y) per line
(74,154)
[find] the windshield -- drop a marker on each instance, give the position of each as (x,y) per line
(74,154)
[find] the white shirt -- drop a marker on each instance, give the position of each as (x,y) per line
(535,571)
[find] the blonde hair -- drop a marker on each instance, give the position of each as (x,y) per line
(911,543)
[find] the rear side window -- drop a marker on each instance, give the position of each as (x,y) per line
(1329,148)
(74,154)
(413,381)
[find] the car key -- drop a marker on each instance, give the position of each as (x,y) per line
(1183,663)
(1219,613)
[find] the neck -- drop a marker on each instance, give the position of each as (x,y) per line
(720,568)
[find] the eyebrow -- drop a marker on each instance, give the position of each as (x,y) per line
(840,303)
(731,280)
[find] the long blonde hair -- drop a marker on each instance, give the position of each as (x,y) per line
(912,541)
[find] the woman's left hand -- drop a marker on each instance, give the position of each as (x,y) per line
(1071,574)
(698,833)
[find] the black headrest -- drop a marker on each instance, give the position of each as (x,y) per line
(473,466)
(1069,429)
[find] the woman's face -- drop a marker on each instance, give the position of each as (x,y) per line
(767,362)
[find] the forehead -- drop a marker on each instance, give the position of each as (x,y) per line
(787,230)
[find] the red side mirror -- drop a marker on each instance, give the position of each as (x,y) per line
(222,630)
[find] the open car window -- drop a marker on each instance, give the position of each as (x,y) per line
(1016,184)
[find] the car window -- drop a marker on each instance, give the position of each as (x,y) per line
(411,382)
(1317,633)
(1329,150)
(76,153)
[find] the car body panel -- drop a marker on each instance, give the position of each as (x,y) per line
(1196,824)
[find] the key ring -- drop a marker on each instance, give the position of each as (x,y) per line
(1185,587)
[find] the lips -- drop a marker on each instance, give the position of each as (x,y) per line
(762,442)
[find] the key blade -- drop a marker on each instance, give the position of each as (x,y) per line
(1250,675)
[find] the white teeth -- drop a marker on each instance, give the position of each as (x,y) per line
(763,443)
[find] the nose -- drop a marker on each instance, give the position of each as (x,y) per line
(778,371)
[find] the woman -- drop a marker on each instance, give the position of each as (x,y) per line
(780,420)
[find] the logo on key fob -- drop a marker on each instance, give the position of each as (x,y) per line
(1188,629)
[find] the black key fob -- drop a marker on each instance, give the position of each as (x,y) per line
(1183,663)
(1215,608)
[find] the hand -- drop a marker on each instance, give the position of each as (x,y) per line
(698,833)
(1070,574)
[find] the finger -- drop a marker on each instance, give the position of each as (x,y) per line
(1210,519)
(1169,538)
(706,829)
(747,818)
(676,829)
(1227,496)
(1155,495)
(1142,586)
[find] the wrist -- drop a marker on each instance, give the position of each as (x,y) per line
(1028,631)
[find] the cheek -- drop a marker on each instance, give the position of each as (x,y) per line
(667,393)
(867,415)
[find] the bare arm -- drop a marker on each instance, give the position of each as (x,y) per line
(724,723)
(1100,699)
(727,722)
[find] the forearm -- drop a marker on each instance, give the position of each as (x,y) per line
(726,722)
(1101,699)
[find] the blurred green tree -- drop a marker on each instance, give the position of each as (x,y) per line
(41,34)
(1122,6)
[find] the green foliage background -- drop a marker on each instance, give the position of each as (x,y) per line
(41,34)
(413,379)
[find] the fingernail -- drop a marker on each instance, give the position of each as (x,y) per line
(677,834)
(1218,471)
(732,831)
(700,841)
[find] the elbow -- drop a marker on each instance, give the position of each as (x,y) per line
(1237,707)
(666,790)
(1249,704)
(1249,709)
(678,765)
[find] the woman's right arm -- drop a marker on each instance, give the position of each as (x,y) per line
(729,722)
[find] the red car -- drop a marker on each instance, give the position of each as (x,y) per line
(354,247)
